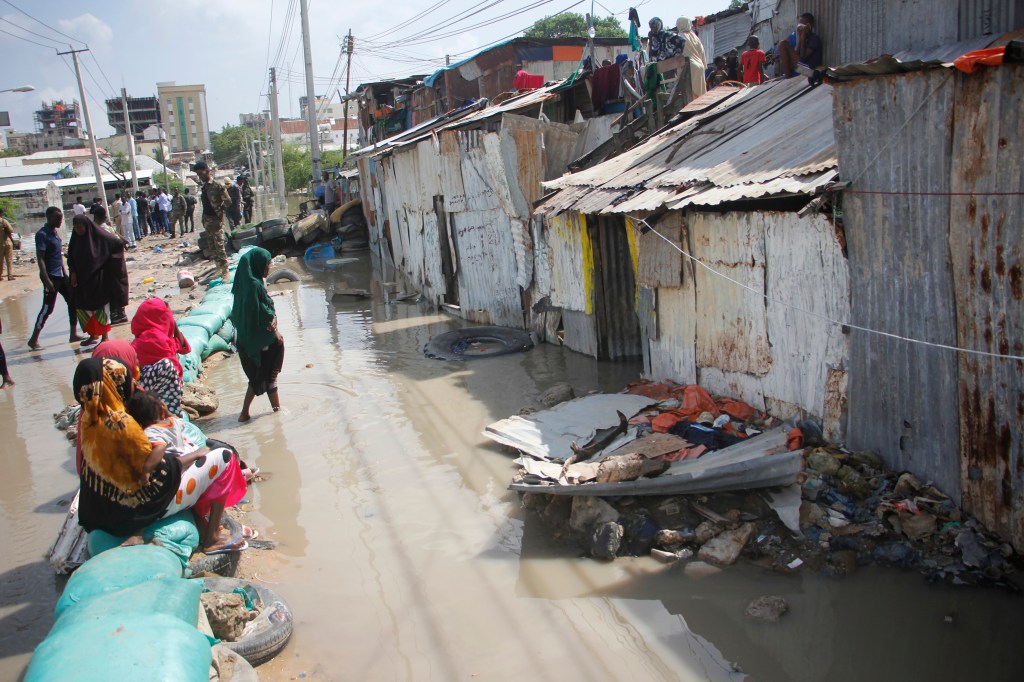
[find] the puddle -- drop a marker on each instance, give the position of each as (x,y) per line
(404,557)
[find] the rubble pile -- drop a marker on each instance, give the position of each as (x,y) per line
(844,509)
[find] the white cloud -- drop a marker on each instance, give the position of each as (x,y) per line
(87,28)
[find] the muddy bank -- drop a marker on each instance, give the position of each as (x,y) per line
(404,557)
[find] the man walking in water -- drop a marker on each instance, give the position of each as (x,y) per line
(53,274)
(214,197)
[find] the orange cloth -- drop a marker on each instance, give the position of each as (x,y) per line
(795,439)
(566,53)
(737,409)
(665,421)
(695,402)
(969,62)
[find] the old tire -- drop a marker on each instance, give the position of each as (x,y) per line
(222,564)
(240,242)
(273,232)
(269,632)
(245,234)
(283,274)
(472,343)
(232,667)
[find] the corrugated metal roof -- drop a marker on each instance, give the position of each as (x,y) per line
(83,181)
(31,170)
(471,115)
(911,60)
(764,141)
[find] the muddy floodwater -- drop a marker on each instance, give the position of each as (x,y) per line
(404,557)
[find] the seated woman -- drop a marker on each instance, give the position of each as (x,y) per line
(158,343)
(129,482)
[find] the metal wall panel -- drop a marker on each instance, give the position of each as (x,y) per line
(451,172)
(661,265)
(488,293)
(732,330)
(988,266)
(892,134)
(615,289)
(982,17)
(673,353)
(569,267)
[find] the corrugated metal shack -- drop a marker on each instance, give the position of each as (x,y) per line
(859,30)
(934,222)
(724,186)
(448,203)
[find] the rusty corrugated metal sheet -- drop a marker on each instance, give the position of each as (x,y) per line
(746,144)
(564,241)
(903,397)
(660,264)
(988,268)
(615,291)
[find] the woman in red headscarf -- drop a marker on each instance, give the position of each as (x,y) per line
(157,344)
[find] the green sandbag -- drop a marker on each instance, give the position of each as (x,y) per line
(192,367)
(175,597)
(194,332)
(177,533)
(220,307)
(211,323)
(227,331)
(217,344)
(115,570)
(194,433)
(155,648)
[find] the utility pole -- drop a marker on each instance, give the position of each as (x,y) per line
(131,141)
(314,131)
(275,128)
(258,175)
(348,72)
(88,124)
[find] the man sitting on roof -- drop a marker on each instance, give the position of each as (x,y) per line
(803,46)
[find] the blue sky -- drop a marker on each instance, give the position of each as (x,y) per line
(226,45)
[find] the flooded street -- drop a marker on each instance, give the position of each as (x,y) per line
(404,557)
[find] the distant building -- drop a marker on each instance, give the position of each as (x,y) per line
(119,143)
(321,102)
(142,112)
(58,126)
(332,133)
(260,121)
(183,115)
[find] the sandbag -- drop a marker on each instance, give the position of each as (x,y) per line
(114,570)
(227,331)
(194,433)
(217,344)
(176,533)
(192,367)
(174,597)
(211,323)
(156,648)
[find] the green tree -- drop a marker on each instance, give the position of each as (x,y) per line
(4,153)
(737,4)
(228,145)
(11,208)
(160,180)
(119,163)
(574,25)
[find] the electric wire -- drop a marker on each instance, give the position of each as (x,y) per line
(8,2)
(58,43)
(760,293)
(27,40)
(407,22)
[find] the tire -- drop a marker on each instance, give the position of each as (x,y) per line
(282,274)
(239,242)
(274,222)
(480,342)
(222,564)
(271,629)
(232,667)
(245,234)
(275,231)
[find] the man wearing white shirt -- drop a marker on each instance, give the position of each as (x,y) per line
(79,207)
(163,204)
(127,229)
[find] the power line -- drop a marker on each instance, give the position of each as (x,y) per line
(456,18)
(405,23)
(48,47)
(760,293)
(102,73)
(26,30)
(43,23)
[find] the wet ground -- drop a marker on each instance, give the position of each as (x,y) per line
(403,557)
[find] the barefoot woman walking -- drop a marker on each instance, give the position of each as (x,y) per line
(260,346)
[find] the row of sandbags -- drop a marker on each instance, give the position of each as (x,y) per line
(208,329)
(126,614)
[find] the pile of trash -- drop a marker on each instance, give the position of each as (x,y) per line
(724,489)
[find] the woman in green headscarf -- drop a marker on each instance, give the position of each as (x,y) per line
(260,346)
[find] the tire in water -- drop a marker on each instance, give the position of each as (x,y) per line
(269,632)
(473,343)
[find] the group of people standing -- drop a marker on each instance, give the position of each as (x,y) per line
(803,47)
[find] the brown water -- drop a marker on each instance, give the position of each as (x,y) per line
(404,557)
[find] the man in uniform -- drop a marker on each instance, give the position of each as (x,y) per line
(177,212)
(190,211)
(214,197)
(248,198)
